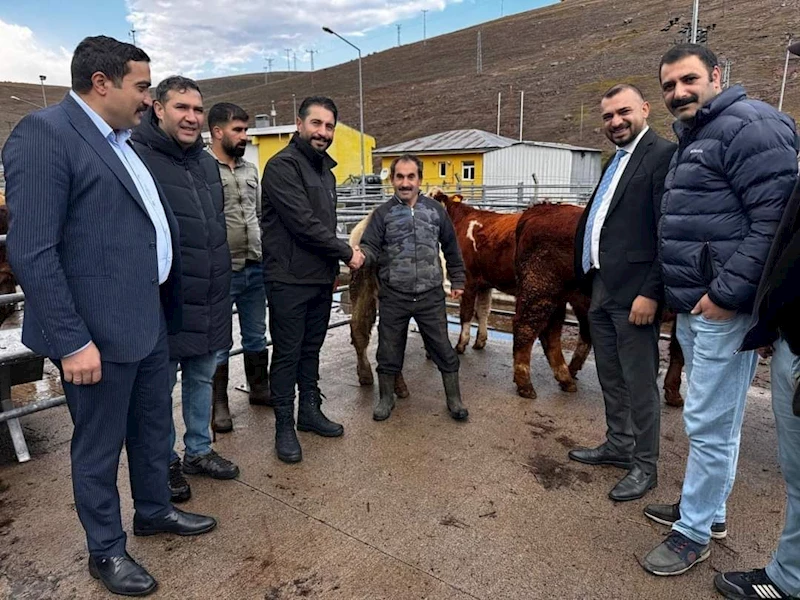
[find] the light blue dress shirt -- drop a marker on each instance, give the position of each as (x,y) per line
(143,181)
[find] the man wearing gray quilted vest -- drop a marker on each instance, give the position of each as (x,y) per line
(726,190)
(228,126)
(403,238)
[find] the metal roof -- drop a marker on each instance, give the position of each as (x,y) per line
(458,139)
(560,146)
(277,130)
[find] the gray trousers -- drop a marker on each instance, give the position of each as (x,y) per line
(627,366)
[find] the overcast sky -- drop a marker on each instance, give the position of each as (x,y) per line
(209,38)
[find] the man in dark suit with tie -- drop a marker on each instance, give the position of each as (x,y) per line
(616,256)
(95,249)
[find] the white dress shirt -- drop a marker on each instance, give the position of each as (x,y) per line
(605,201)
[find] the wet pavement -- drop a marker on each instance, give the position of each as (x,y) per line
(416,507)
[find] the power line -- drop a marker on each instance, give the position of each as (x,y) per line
(294,58)
(288,58)
(133,36)
(398,34)
(268,68)
(425,26)
(312,53)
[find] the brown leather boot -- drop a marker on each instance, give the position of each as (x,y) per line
(256,369)
(220,414)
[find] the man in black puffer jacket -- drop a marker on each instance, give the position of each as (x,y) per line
(727,187)
(169,142)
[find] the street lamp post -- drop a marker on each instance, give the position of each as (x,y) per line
(26,101)
(791,49)
(360,104)
(44,97)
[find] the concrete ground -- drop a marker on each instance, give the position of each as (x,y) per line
(416,507)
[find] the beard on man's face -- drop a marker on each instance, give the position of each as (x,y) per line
(234,150)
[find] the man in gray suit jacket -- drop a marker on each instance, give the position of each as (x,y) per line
(95,249)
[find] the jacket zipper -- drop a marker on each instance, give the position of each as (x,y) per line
(414,229)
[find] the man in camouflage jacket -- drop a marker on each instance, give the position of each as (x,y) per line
(403,239)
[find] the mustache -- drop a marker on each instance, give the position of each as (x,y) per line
(678,102)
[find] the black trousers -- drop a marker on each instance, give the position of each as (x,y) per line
(298,323)
(430,313)
(627,366)
(131,405)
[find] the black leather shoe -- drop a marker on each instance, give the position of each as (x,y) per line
(177,522)
(634,485)
(602,455)
(122,575)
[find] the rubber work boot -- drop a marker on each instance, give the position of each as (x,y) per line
(384,403)
(220,414)
(286,445)
(256,369)
(453,392)
(310,417)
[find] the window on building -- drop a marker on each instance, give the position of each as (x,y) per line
(468,170)
(443,170)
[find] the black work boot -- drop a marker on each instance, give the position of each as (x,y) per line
(286,444)
(220,414)
(256,369)
(451,388)
(310,417)
(384,403)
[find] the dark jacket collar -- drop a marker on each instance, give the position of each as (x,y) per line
(712,110)
(317,160)
(150,134)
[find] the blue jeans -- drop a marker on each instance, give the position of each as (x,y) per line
(784,570)
(719,378)
(196,375)
(247,293)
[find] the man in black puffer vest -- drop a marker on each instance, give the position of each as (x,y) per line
(301,261)
(727,187)
(169,142)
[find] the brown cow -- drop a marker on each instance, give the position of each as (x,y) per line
(488,243)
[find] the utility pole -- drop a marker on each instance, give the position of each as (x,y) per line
(398,34)
(269,69)
(288,58)
(294,59)
(695,14)
(580,134)
(425,26)
(133,36)
(480,54)
(294,104)
(312,53)
(521,112)
(726,74)
(498,112)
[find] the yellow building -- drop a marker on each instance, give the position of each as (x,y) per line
(265,142)
(449,159)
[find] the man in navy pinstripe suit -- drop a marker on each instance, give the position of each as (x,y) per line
(96,252)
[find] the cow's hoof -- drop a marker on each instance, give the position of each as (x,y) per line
(402,392)
(479,345)
(527,391)
(460,349)
(365,380)
(568,386)
(673,399)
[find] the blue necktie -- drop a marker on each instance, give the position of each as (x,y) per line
(605,183)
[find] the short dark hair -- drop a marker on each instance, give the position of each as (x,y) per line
(621,87)
(223,113)
(322,101)
(681,51)
(406,158)
(175,83)
(106,55)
